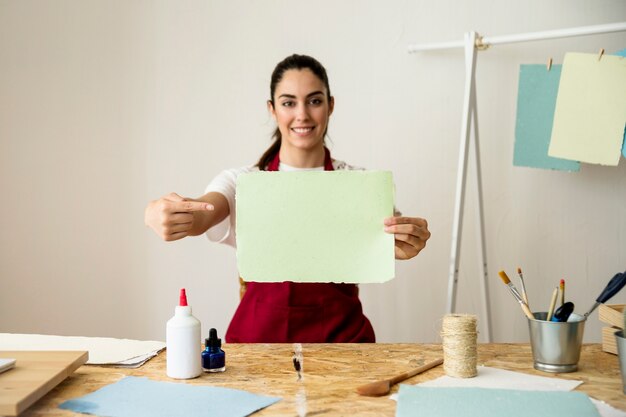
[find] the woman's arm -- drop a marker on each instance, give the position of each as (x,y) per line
(173,217)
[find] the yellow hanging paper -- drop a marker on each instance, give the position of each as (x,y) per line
(590,109)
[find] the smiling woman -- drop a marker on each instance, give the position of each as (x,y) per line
(301,104)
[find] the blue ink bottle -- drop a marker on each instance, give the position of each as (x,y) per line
(213,357)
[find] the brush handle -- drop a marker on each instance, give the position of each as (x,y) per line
(524,294)
(407,375)
(552,304)
(521,302)
(515,292)
(526,310)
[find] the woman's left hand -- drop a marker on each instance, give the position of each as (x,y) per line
(410,233)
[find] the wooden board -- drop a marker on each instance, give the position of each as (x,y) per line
(331,374)
(609,344)
(612,314)
(35,373)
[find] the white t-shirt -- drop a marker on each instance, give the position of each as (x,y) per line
(225,182)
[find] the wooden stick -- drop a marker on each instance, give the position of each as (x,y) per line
(552,304)
(378,388)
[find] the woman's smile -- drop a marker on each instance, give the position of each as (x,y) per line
(302,131)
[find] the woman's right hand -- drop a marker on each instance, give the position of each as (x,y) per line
(172,216)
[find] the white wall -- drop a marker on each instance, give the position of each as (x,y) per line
(106,105)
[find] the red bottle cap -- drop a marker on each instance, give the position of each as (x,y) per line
(183,298)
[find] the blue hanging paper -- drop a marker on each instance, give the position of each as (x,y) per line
(536,101)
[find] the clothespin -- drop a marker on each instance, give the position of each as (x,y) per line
(601,53)
(549,66)
(480,45)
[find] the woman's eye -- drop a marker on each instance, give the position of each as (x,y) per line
(316,101)
(287,104)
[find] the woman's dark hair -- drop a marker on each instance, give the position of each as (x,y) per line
(297,62)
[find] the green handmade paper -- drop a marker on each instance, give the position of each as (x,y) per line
(315,226)
(590,109)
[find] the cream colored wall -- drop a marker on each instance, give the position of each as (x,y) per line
(106,105)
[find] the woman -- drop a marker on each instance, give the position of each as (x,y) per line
(301,104)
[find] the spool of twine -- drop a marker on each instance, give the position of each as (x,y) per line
(459,345)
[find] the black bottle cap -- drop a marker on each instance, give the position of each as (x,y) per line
(213,340)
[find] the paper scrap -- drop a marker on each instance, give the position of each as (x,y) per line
(536,100)
(489,377)
(142,397)
(486,402)
(590,109)
(607,410)
(6,364)
(315,226)
(125,353)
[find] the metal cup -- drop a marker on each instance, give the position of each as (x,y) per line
(621,350)
(556,345)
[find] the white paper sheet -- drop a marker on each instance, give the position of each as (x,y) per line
(501,379)
(102,350)
(606,410)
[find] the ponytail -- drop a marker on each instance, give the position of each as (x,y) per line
(271,152)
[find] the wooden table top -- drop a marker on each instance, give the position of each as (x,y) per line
(333,371)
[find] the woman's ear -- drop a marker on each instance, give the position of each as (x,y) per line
(331,105)
(270,108)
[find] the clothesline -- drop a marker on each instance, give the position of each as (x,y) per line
(523,37)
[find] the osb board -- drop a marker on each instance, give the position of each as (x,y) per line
(333,371)
(35,373)
(612,314)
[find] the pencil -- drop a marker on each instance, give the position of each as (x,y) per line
(552,304)
(516,294)
(521,278)
(562,285)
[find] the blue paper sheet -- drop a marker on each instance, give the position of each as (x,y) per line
(623,53)
(536,101)
(142,397)
(482,402)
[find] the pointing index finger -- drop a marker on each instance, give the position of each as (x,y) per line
(190,206)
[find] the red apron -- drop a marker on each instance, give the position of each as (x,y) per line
(292,312)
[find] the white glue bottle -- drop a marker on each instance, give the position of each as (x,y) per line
(182,339)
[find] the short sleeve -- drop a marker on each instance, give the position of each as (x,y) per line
(225,183)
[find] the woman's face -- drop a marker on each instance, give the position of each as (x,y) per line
(301,109)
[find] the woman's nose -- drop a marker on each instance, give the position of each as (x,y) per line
(302,112)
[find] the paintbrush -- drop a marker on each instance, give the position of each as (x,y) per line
(552,304)
(378,388)
(516,294)
(521,279)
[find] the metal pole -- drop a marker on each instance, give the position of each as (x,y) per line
(481,222)
(525,37)
(457,227)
